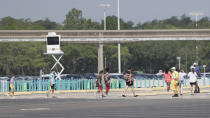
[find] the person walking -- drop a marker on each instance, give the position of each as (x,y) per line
(107,81)
(99,82)
(182,75)
(129,82)
(174,81)
(197,70)
(167,76)
(192,79)
(12,81)
(52,83)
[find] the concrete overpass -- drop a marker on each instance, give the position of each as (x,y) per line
(108,36)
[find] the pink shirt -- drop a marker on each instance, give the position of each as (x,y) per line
(167,77)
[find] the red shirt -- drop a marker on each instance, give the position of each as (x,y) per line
(167,77)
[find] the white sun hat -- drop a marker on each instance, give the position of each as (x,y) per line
(173,68)
(192,67)
(195,64)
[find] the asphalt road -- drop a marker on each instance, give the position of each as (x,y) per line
(92,108)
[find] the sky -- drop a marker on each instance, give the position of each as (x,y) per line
(130,10)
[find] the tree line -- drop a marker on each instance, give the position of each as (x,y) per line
(27,58)
(75,21)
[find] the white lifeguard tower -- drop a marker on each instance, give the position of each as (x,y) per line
(53,48)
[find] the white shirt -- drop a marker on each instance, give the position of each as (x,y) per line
(181,76)
(192,77)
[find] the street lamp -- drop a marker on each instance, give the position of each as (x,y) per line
(118,28)
(105,6)
(105,62)
(196,14)
(204,69)
(118,18)
(100,49)
(178,58)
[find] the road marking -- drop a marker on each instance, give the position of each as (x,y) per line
(35,109)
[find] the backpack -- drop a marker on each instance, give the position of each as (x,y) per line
(126,78)
(107,78)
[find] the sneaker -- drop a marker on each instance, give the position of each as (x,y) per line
(175,95)
(135,96)
(103,96)
(123,96)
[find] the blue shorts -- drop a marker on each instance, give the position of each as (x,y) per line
(181,82)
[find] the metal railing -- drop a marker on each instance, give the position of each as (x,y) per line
(86,84)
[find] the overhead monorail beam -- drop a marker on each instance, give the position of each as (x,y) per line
(109,36)
(105,40)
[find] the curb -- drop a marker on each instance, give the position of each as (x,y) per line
(112,90)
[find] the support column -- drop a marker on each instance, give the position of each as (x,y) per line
(100,58)
(119,59)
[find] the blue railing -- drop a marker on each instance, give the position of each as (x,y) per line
(86,84)
(44,85)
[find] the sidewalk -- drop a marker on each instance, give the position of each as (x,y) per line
(143,93)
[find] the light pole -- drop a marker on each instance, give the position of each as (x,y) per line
(118,28)
(178,58)
(105,6)
(118,12)
(196,50)
(105,62)
(100,49)
(196,14)
(204,69)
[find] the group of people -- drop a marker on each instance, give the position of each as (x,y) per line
(99,81)
(128,77)
(52,77)
(175,79)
